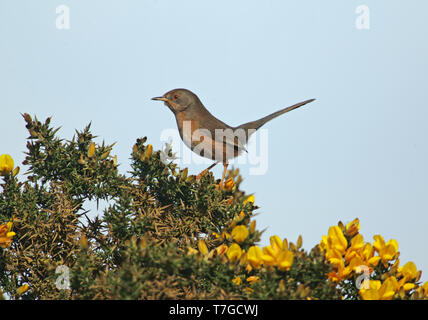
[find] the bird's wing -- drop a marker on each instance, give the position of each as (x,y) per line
(221,132)
(233,138)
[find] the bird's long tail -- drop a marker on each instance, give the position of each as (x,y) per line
(258,123)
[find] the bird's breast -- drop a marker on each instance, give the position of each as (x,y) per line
(187,127)
(201,141)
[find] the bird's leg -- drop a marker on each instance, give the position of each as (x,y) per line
(199,176)
(225,164)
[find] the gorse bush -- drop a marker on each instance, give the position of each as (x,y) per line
(165,235)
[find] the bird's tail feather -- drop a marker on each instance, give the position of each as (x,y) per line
(258,123)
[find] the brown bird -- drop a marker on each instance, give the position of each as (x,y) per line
(208,136)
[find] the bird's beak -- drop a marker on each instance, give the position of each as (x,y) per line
(160,99)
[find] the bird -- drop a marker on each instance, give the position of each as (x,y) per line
(207,135)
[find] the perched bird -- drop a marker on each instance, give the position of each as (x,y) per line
(208,136)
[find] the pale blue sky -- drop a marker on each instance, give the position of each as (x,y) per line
(360,150)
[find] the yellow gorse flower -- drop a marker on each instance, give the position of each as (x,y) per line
(347,256)
(84,242)
(278,254)
(6,164)
(6,235)
(336,239)
(253,279)
(285,260)
(425,288)
(91,150)
(255,257)
(221,249)
(409,273)
(202,247)
(234,252)
(367,254)
(15,171)
(22,289)
(239,217)
(149,151)
(191,251)
(353,227)
(229,184)
(237,280)
(240,233)
(341,272)
(250,198)
(223,235)
(345,249)
(387,251)
(378,291)
(334,245)
(360,253)
(253,226)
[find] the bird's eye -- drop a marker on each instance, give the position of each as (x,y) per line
(175,96)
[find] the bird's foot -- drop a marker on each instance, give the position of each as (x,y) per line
(221,185)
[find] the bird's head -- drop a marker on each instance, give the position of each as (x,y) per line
(178,99)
